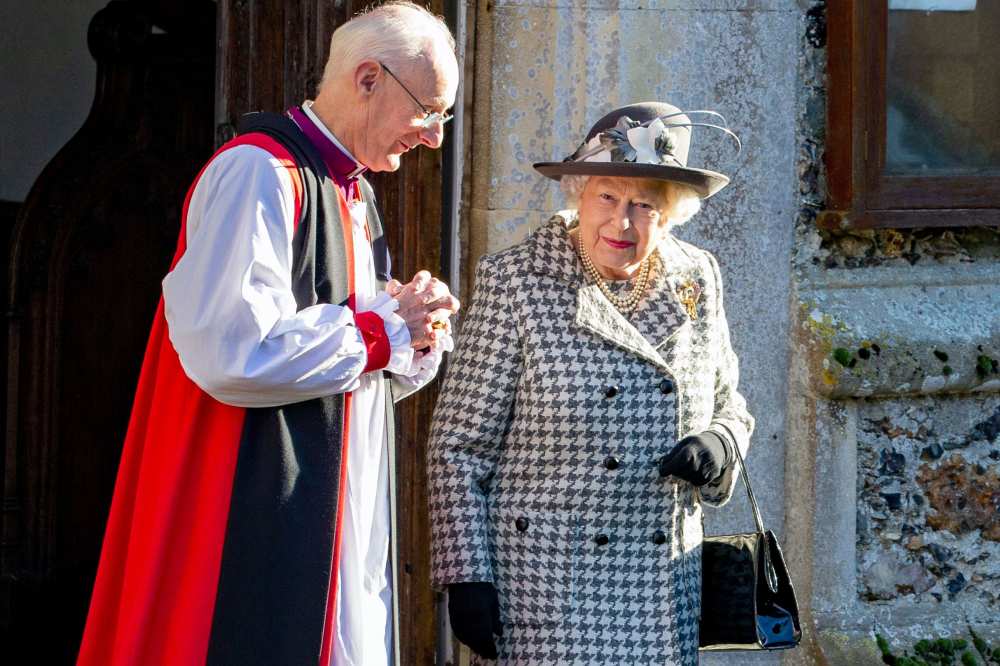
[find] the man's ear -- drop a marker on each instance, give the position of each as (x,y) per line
(366,76)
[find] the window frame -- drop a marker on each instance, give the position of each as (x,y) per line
(860,194)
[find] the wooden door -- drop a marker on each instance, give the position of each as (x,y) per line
(272,57)
(91,243)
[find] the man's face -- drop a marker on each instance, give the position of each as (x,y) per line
(394,118)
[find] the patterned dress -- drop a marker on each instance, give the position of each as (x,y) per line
(544,450)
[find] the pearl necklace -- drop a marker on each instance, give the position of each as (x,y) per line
(625,304)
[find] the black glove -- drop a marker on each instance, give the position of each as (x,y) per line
(474,611)
(697,459)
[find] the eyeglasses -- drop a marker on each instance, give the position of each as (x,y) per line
(431,118)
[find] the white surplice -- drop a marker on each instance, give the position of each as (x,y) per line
(233,320)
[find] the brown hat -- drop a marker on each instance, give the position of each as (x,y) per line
(645,140)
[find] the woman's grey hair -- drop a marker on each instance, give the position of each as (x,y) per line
(393,33)
(682,202)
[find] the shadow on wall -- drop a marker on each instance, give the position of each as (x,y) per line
(90,246)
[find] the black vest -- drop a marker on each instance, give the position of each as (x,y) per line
(276,562)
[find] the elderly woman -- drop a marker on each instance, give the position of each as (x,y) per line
(590,410)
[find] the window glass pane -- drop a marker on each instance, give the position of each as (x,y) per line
(942,87)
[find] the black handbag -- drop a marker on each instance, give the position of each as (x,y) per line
(747,600)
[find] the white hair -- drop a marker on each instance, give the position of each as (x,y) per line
(572,187)
(394,33)
(682,202)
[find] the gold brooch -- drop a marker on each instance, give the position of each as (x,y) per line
(689,292)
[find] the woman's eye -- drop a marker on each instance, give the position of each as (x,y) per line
(643,205)
(607,197)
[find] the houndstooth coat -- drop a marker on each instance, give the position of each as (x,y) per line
(543,452)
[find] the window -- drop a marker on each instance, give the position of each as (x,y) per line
(913,128)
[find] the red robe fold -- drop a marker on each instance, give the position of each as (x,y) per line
(172,519)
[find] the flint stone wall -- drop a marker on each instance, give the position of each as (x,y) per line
(892,512)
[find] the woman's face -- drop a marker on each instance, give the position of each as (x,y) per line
(622,220)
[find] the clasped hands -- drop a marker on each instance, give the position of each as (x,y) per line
(426,305)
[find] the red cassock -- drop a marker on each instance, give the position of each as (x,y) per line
(223,537)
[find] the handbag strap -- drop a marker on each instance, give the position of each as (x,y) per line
(746,478)
(769,573)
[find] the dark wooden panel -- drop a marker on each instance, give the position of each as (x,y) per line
(91,244)
(843,64)
(8,215)
(271,54)
(928,218)
(951,192)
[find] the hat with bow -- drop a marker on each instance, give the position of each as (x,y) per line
(644,140)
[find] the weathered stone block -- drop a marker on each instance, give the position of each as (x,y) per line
(558,69)
(840,649)
(879,332)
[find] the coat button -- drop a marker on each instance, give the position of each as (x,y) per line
(521,524)
(611,391)
(666,387)
(659,538)
(601,539)
(612,462)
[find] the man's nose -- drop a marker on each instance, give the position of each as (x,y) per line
(432,136)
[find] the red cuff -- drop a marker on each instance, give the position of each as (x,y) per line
(376,341)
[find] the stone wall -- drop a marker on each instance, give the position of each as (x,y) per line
(867,357)
(928,497)
(893,497)
(893,399)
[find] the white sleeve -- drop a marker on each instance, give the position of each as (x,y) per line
(423,367)
(229,305)
(401,354)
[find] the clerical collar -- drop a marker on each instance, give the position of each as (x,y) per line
(343,166)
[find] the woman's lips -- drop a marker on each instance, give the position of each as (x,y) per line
(618,245)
